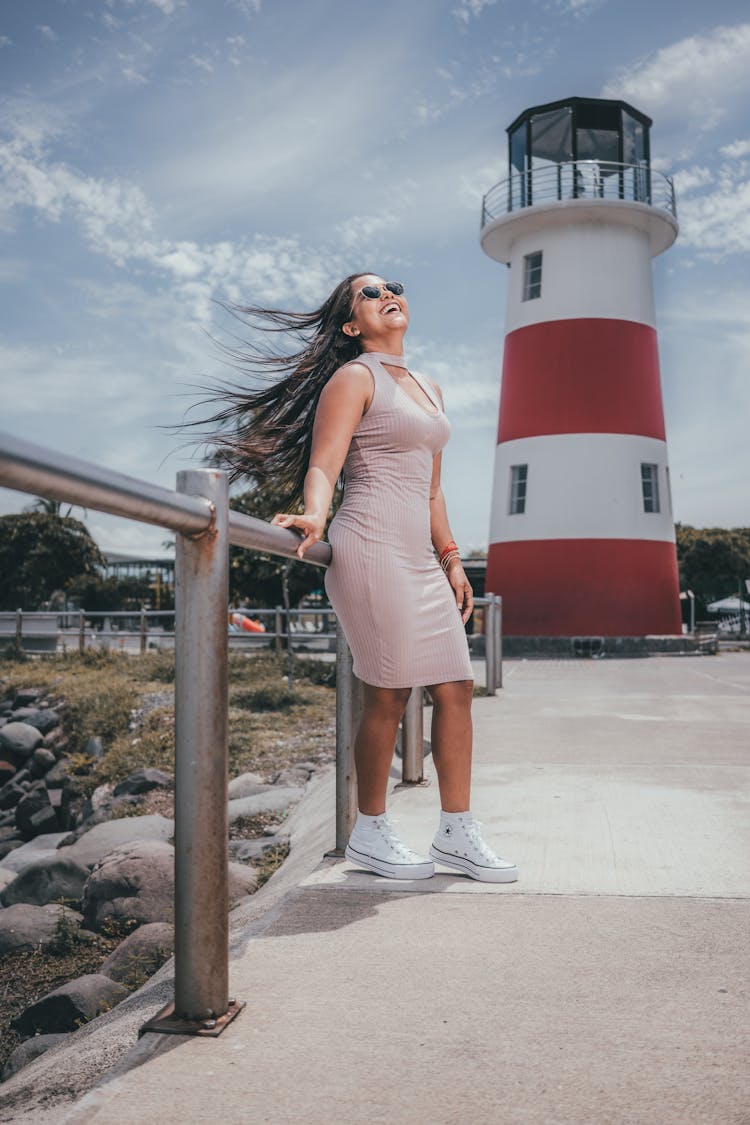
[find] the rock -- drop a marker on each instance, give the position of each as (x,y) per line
(8,820)
(56,741)
(55,778)
(11,793)
(27,1052)
(6,877)
(26,696)
(101,814)
(245,851)
(8,832)
(94,748)
(43,759)
(7,769)
(135,882)
(45,720)
(67,1007)
(33,850)
(138,883)
(246,785)
(103,839)
(140,954)
(243,881)
(142,781)
(20,739)
(6,847)
(48,880)
(275,800)
(24,927)
(295,775)
(34,814)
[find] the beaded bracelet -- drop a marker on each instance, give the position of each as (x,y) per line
(451,546)
(446,560)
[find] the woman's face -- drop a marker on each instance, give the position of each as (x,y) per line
(373,319)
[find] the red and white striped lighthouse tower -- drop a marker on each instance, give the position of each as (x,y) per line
(582,538)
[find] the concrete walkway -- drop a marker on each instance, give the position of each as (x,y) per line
(609,985)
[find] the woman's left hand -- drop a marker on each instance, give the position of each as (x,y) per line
(462,589)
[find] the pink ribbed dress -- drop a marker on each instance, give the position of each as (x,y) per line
(395,604)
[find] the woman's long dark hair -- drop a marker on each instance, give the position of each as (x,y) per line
(266,434)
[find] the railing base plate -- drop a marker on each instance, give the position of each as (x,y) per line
(166,1023)
(422,782)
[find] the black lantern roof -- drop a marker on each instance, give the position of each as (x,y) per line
(579,129)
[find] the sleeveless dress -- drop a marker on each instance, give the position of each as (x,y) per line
(396,606)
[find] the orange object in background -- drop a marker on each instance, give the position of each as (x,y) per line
(241,622)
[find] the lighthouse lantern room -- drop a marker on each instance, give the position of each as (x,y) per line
(582,538)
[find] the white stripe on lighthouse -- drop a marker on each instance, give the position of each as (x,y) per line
(581,486)
(595,270)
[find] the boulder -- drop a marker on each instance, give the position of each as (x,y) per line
(24,927)
(7,769)
(34,814)
(55,778)
(27,1052)
(33,850)
(274,800)
(6,847)
(45,719)
(140,954)
(6,877)
(247,785)
(48,880)
(135,882)
(42,760)
(103,839)
(100,814)
(142,781)
(20,739)
(94,747)
(11,793)
(67,1007)
(24,697)
(295,775)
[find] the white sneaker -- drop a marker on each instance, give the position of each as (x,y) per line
(461,845)
(379,849)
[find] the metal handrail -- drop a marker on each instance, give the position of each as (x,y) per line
(579,179)
(199,512)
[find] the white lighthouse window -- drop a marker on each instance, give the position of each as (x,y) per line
(650,486)
(532,275)
(518,475)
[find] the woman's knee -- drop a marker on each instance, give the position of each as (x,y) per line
(389,702)
(456,693)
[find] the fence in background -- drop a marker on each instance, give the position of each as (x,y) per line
(198,512)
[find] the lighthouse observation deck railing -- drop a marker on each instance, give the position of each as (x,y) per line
(199,513)
(579,179)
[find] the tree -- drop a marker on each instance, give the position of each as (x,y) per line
(713,561)
(256,578)
(41,553)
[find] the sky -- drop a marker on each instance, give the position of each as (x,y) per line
(160,156)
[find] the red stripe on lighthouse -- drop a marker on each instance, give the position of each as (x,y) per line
(588,375)
(586,587)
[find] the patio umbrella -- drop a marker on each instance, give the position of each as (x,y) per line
(728,605)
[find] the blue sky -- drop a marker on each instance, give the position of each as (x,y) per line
(158,154)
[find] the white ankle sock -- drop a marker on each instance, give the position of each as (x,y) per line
(452,818)
(365,821)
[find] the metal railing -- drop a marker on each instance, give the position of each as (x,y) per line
(579,179)
(199,514)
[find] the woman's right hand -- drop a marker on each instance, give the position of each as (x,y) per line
(310,526)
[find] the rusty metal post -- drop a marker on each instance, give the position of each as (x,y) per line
(19,629)
(82,630)
(490,616)
(498,640)
(278,628)
(348,714)
(201,1001)
(412,739)
(144,630)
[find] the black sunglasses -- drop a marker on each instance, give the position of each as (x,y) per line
(372,292)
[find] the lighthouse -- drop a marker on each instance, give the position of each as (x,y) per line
(582,539)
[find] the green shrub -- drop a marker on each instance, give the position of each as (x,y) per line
(316,671)
(265,697)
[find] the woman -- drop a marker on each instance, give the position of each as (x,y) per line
(351,404)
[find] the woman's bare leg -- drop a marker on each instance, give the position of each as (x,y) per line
(375,743)
(452,741)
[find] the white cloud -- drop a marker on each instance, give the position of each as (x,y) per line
(134,76)
(469,8)
(201,63)
(691,80)
(47,32)
(736,149)
(165,6)
(248,8)
(688,179)
(5,41)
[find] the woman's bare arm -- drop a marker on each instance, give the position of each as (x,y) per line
(441,535)
(342,403)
